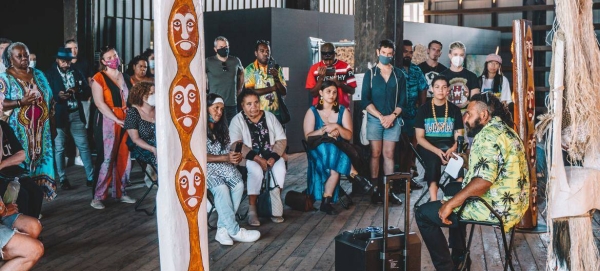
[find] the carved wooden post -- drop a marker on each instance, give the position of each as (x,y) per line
(524,115)
(181,134)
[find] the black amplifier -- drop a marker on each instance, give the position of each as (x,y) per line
(360,250)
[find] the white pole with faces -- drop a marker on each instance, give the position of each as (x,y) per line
(177,235)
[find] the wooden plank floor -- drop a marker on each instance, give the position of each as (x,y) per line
(78,237)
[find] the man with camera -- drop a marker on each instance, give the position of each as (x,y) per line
(331,69)
(69,88)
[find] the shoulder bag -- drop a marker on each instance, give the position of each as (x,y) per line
(284,114)
(269,200)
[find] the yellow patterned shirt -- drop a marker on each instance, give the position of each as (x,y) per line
(257,77)
(498,156)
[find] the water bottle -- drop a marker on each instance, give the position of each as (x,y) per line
(12,191)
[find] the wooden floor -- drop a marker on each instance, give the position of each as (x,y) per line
(78,237)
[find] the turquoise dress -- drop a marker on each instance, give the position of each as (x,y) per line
(31,124)
(323,159)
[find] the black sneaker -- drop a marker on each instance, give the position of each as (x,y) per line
(65,185)
(363,183)
(414,185)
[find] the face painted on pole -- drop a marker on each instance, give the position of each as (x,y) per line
(186,103)
(184,31)
(191,182)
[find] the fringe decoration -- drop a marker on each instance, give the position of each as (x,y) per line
(573,245)
(582,66)
(561,244)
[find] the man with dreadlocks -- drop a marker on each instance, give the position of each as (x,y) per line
(497,172)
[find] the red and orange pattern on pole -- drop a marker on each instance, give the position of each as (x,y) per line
(184,103)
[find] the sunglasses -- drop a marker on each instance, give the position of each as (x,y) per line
(224,65)
(329,53)
(266,42)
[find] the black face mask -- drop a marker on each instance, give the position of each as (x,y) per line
(223,52)
(406,61)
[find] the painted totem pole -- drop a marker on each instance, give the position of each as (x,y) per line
(180,133)
(524,115)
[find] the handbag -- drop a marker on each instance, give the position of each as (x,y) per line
(313,142)
(269,200)
(284,113)
(299,201)
(363,129)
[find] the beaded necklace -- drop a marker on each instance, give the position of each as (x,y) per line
(439,126)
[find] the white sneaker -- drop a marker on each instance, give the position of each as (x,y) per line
(223,237)
(97,204)
(246,235)
(78,161)
(127,199)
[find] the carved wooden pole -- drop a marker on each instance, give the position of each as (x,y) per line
(181,134)
(524,115)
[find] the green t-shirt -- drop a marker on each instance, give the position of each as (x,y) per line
(498,156)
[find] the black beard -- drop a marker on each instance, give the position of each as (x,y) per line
(472,131)
(406,61)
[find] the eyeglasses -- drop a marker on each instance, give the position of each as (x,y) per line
(224,66)
(328,53)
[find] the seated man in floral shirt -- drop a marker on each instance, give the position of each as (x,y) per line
(497,172)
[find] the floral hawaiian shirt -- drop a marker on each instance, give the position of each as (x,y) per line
(498,156)
(257,77)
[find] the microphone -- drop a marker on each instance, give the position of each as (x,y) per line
(461,144)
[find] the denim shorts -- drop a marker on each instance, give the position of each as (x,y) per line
(376,132)
(6,229)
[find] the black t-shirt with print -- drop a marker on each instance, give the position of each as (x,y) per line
(461,84)
(10,143)
(430,73)
(439,133)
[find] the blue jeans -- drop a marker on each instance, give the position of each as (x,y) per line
(79,133)
(227,202)
(230,112)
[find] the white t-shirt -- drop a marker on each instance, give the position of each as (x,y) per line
(505,94)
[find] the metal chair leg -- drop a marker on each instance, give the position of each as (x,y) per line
(139,202)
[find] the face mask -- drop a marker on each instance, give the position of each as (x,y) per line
(151,100)
(32,64)
(113,64)
(210,119)
(457,61)
(385,59)
(223,52)
(151,64)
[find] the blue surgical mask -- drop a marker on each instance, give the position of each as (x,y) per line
(210,119)
(151,64)
(385,59)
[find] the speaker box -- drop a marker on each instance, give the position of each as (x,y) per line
(360,252)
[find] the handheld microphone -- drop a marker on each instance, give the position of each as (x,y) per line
(461,144)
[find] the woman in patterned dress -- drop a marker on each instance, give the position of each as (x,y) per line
(28,95)
(224,180)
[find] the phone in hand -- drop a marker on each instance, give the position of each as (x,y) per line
(330,71)
(238,147)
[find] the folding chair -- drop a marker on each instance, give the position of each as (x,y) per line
(500,224)
(344,199)
(144,166)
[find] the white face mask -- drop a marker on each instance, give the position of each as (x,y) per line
(151,100)
(32,64)
(457,61)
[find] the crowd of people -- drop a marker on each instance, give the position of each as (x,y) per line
(422,104)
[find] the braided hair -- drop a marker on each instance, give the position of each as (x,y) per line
(494,107)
